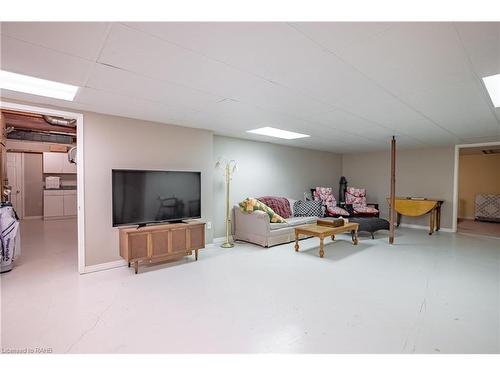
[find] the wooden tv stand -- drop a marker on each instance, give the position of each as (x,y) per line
(157,243)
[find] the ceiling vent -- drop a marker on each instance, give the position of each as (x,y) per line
(490,152)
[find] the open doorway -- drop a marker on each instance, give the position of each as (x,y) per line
(478,190)
(44,182)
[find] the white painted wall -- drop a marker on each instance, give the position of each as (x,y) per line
(264,169)
(117,142)
(421,172)
(270,169)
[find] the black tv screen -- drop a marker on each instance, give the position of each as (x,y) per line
(142,197)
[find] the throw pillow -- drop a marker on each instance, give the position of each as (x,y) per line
(250,205)
(308,208)
(292,202)
(356,197)
(279,205)
(325,195)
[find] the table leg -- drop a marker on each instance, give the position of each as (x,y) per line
(296,241)
(333,237)
(398,220)
(438,218)
(354,236)
(321,251)
(431,223)
(196,254)
(136,267)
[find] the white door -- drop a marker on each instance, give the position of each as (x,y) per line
(15,176)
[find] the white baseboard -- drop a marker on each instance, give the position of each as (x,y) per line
(424,227)
(32,217)
(218,240)
(121,262)
(467,217)
(105,266)
(67,217)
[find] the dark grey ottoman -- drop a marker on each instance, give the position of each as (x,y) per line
(370,224)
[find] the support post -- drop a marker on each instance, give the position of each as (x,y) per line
(392,199)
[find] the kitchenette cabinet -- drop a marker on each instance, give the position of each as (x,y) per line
(59,203)
(69,203)
(57,162)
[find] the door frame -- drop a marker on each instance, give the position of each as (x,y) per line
(80,170)
(21,212)
(456,173)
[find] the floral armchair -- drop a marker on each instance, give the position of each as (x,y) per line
(325,195)
(355,200)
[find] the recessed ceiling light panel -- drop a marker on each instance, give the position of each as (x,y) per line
(277,133)
(492,84)
(36,86)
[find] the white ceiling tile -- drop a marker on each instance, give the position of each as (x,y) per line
(338,36)
(275,97)
(344,121)
(118,81)
(140,53)
(412,56)
(460,108)
(82,39)
(349,85)
(387,111)
(24,58)
(257,47)
(114,104)
(481,40)
(274,51)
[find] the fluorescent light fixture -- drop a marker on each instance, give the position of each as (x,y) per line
(36,86)
(277,133)
(492,84)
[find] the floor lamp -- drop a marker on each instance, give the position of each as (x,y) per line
(228,168)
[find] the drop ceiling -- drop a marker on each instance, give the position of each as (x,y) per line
(351,86)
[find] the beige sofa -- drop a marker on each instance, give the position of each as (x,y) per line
(255,227)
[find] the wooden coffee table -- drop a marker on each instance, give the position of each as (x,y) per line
(322,231)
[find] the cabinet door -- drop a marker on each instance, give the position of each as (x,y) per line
(138,245)
(70,207)
(179,240)
(52,162)
(53,205)
(67,167)
(160,243)
(196,237)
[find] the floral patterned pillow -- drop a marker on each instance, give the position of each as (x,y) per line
(356,197)
(325,195)
(250,205)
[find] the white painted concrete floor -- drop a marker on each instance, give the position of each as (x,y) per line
(427,294)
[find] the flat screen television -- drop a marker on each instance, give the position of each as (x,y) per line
(144,197)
